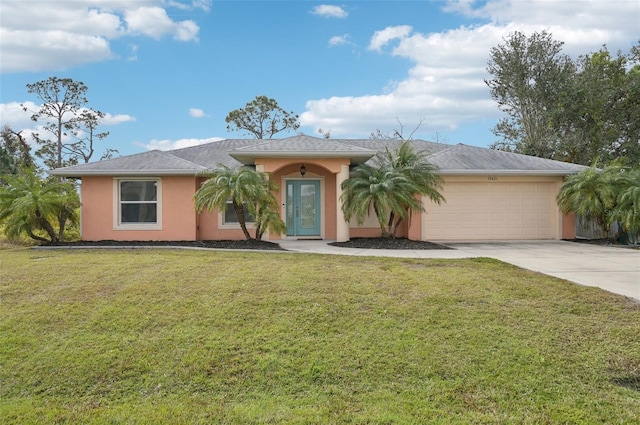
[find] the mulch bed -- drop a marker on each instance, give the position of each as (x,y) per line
(359,243)
(388,243)
(242,244)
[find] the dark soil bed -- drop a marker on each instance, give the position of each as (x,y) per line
(388,243)
(359,243)
(242,244)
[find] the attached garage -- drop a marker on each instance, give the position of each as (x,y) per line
(495,208)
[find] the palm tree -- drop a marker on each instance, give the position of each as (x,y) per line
(417,169)
(371,188)
(627,210)
(593,194)
(268,217)
(392,188)
(32,205)
(251,194)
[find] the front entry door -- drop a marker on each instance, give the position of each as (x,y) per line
(303,208)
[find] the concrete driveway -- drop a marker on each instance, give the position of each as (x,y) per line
(614,269)
(611,268)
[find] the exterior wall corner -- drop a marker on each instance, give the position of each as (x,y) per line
(569,226)
(342,226)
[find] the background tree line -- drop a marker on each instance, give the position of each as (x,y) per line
(579,111)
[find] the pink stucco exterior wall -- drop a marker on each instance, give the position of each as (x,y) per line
(374,231)
(207,226)
(178,212)
(180,221)
(210,227)
(568,226)
(324,169)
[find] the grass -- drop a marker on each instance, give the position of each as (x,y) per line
(183,337)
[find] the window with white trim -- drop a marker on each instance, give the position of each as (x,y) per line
(230,217)
(138,203)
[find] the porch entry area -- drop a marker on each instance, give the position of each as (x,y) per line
(303,207)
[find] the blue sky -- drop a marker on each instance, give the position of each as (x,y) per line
(167,72)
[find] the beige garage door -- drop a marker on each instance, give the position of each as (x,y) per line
(494,210)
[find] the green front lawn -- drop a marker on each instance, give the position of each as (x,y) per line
(181,336)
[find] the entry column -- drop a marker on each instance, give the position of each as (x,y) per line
(342,226)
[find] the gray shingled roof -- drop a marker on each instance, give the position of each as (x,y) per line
(212,154)
(451,159)
(144,164)
(381,144)
(464,159)
(301,146)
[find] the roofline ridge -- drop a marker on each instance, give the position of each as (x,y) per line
(536,157)
(345,142)
(259,142)
(342,142)
(447,149)
(168,153)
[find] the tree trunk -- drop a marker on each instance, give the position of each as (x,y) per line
(46,226)
(259,227)
(396,225)
(383,228)
(239,209)
(59,143)
(36,237)
(390,230)
(62,222)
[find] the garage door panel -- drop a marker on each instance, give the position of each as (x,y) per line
(495,210)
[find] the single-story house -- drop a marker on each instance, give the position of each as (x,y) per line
(490,194)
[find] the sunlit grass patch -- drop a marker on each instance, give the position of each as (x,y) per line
(151,336)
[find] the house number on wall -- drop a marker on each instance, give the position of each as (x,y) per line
(492,178)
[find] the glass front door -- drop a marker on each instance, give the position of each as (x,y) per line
(303,208)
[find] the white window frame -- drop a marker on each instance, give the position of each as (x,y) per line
(233,224)
(117,210)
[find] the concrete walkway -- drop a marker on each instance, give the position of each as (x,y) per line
(613,269)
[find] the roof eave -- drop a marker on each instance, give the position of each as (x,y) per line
(124,173)
(508,172)
(250,157)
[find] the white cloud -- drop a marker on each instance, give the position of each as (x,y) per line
(166,144)
(43,35)
(78,17)
(155,23)
(110,119)
(133,56)
(551,13)
(339,39)
(464,7)
(19,120)
(150,21)
(196,113)
(445,84)
(330,11)
(580,24)
(383,37)
(14,115)
(186,31)
(55,50)
(195,4)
